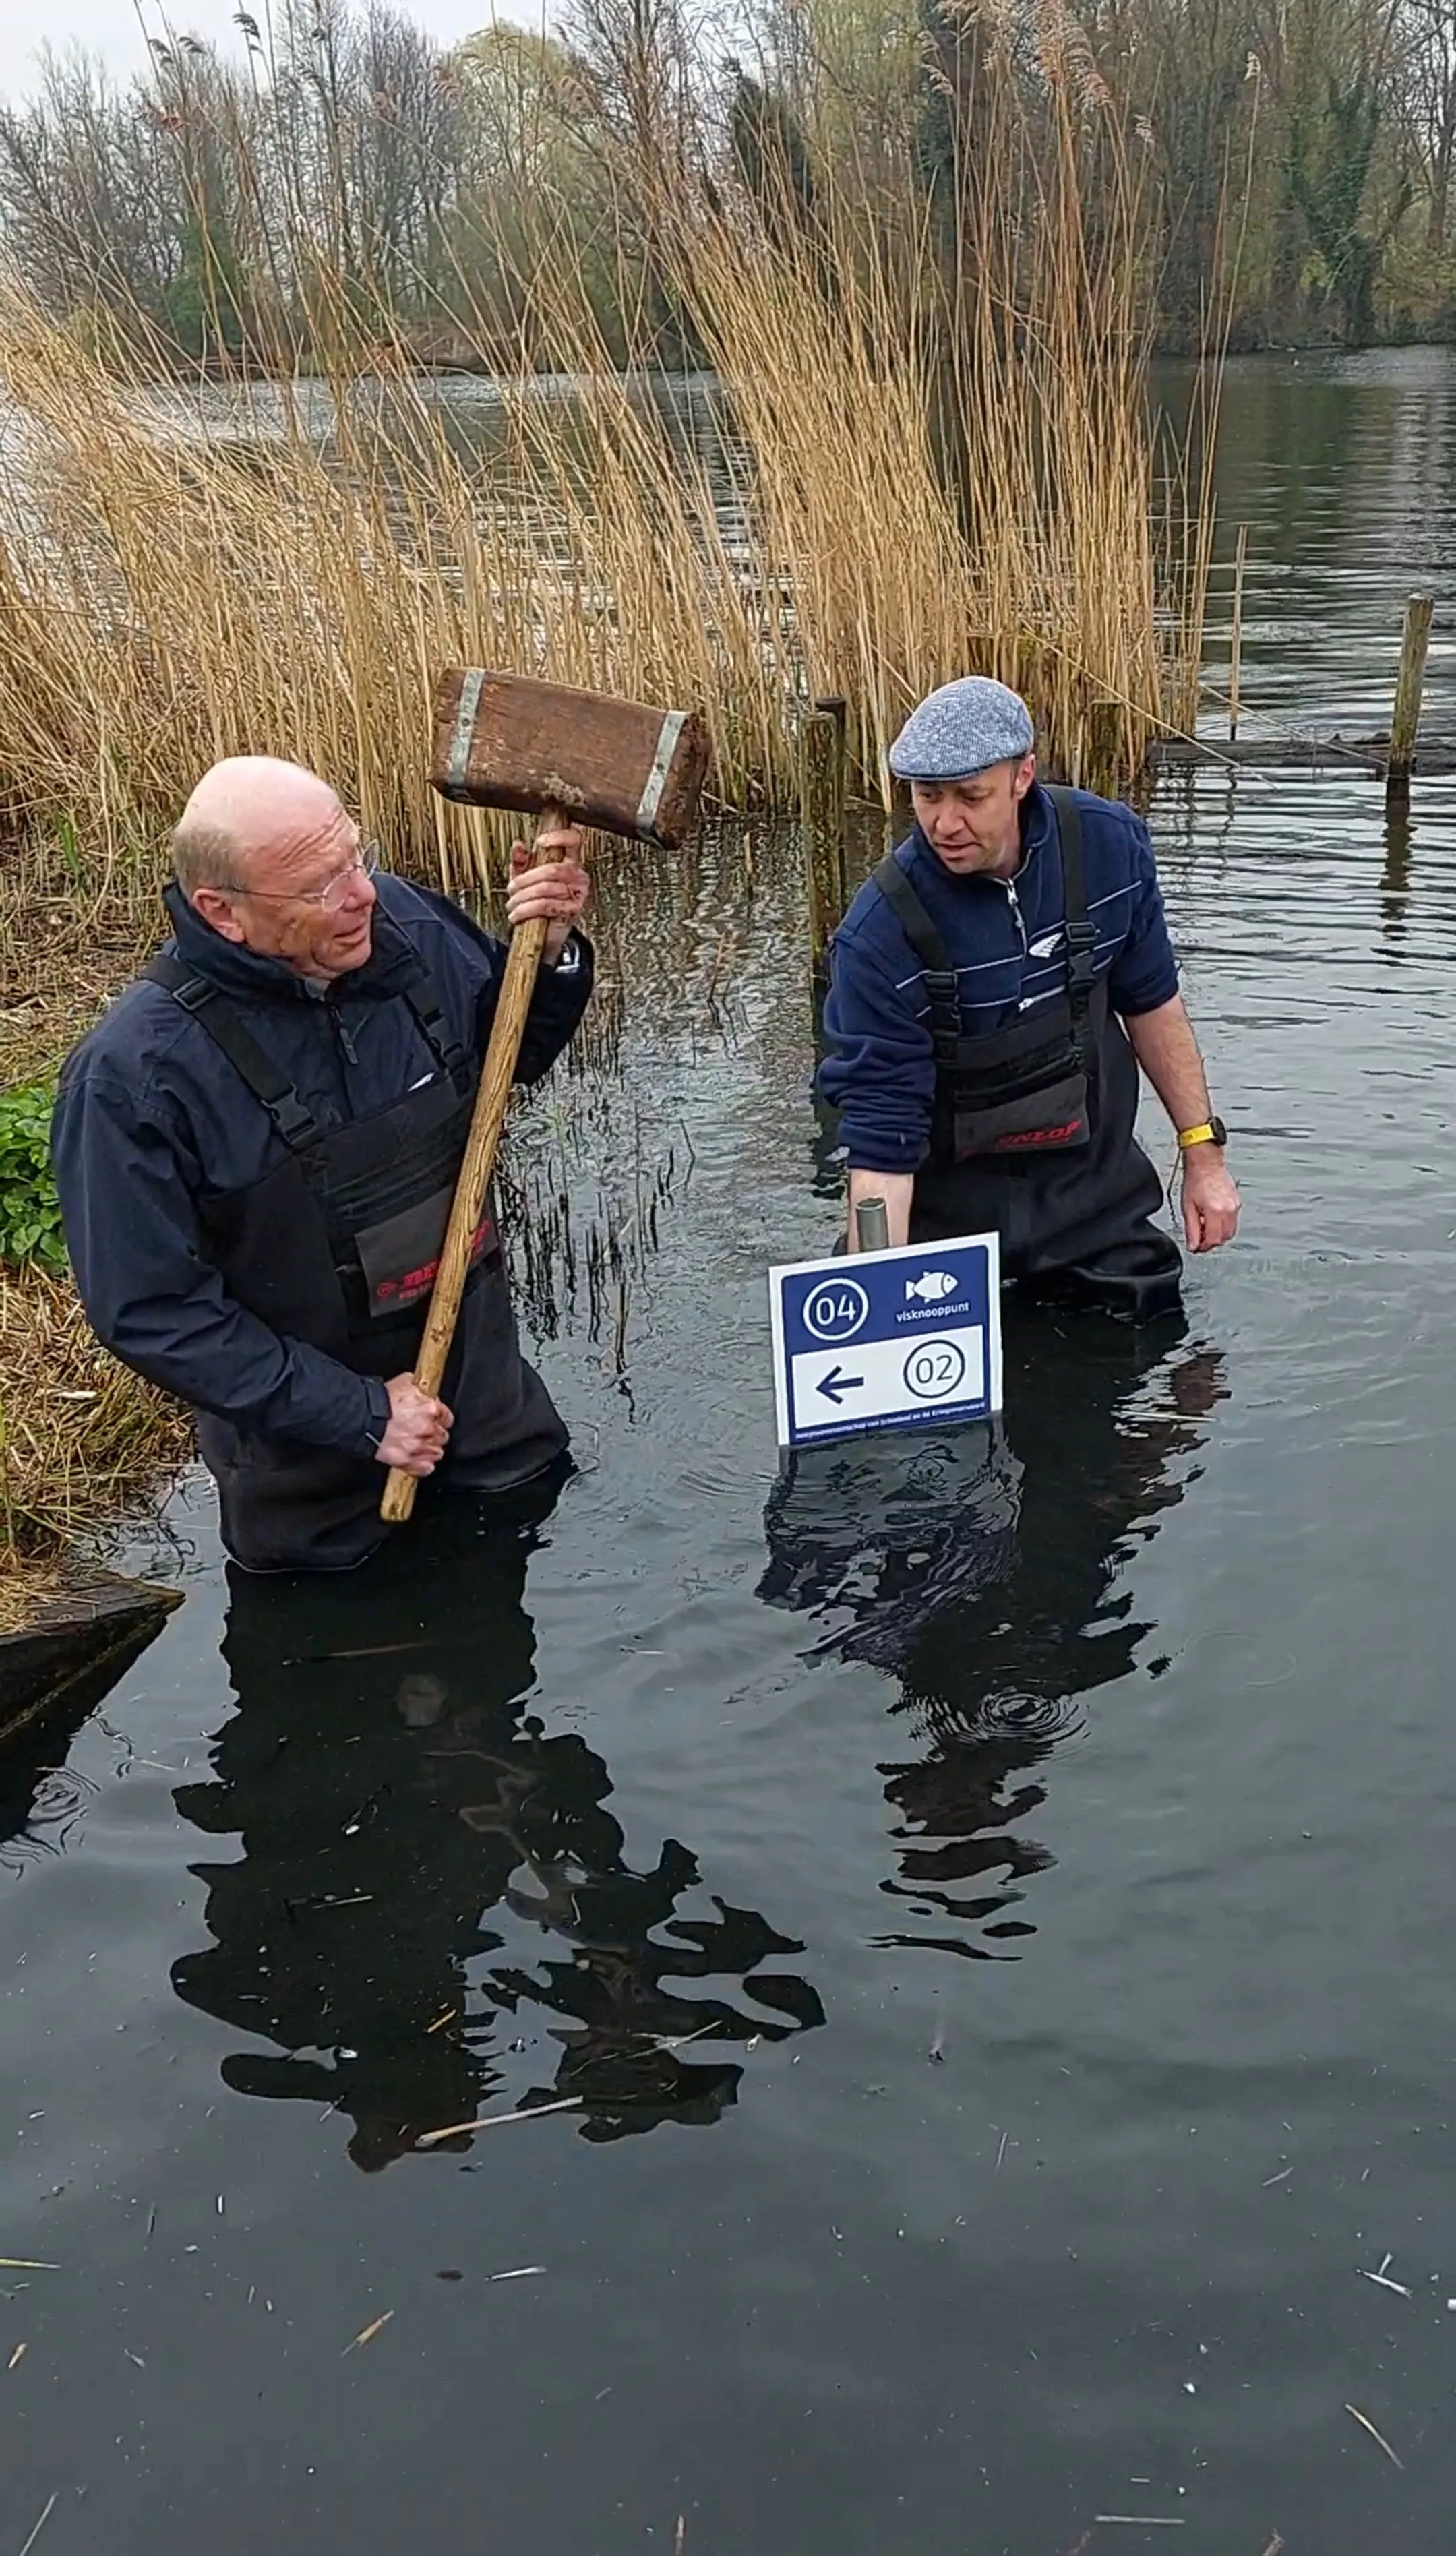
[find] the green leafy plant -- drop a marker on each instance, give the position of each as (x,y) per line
(30,1213)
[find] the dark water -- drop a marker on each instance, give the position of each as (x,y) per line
(989,1900)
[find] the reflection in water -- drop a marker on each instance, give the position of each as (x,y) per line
(977,1568)
(406,1832)
(42,1799)
(1396,874)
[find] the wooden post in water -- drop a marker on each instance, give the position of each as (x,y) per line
(833,706)
(822,818)
(1406,716)
(1236,632)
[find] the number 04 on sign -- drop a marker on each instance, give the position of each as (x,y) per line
(888,1340)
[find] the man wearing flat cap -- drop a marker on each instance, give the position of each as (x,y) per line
(995,988)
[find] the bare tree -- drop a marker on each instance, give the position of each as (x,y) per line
(1425,92)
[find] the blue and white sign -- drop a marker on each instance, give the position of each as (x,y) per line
(888,1340)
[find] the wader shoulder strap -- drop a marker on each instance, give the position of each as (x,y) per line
(418,991)
(941,982)
(1081,934)
(211,1008)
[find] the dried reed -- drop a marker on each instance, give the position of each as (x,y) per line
(930,458)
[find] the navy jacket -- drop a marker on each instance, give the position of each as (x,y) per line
(150,1117)
(1007,937)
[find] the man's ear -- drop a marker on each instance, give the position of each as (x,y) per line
(214,905)
(1026,775)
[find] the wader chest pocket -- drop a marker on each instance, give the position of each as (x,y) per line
(1049,1118)
(400,1255)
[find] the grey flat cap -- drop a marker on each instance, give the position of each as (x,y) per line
(961,729)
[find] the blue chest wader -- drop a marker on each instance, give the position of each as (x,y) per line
(1032,1128)
(338,1246)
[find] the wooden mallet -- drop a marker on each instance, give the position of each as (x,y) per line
(571,759)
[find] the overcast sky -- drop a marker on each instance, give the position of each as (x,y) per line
(112,28)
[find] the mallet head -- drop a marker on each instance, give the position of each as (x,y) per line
(505,740)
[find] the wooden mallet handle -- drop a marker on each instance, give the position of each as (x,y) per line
(476,1165)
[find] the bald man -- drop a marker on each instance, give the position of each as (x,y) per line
(256,1150)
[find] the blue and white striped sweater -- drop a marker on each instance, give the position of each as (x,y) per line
(1008,942)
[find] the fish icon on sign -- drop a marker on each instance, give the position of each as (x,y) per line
(930,1285)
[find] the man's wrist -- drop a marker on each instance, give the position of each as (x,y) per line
(1204,1135)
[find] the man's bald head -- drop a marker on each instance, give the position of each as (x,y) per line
(242,811)
(267,855)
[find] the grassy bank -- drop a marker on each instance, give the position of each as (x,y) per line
(82,1442)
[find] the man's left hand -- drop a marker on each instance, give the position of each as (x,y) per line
(1209,1199)
(547,879)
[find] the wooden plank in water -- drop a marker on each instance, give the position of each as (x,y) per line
(1367,754)
(73,1624)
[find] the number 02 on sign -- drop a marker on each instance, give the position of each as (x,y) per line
(889,1339)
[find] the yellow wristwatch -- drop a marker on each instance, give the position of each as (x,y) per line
(1211,1132)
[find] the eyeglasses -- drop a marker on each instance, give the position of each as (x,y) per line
(330,897)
